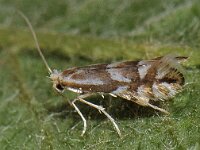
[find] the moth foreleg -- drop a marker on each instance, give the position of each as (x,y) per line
(101,109)
(82,117)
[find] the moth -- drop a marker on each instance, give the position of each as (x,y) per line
(156,79)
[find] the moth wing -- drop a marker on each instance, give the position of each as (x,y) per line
(168,77)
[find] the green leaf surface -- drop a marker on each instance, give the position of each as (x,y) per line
(82,32)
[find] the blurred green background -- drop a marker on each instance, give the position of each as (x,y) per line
(82,32)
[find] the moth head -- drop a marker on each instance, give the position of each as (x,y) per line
(55,77)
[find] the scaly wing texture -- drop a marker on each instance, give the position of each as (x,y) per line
(161,79)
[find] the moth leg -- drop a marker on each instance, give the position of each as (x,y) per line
(140,101)
(113,95)
(145,102)
(82,117)
(158,108)
(80,114)
(100,109)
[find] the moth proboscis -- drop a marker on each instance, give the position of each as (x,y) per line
(156,79)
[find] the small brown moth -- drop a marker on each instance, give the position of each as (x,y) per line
(157,79)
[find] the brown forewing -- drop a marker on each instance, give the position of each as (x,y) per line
(102,77)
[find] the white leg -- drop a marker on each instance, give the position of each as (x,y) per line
(101,109)
(81,115)
(143,102)
(157,108)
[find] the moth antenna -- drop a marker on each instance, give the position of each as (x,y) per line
(35,39)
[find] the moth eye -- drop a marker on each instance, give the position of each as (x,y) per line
(59,87)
